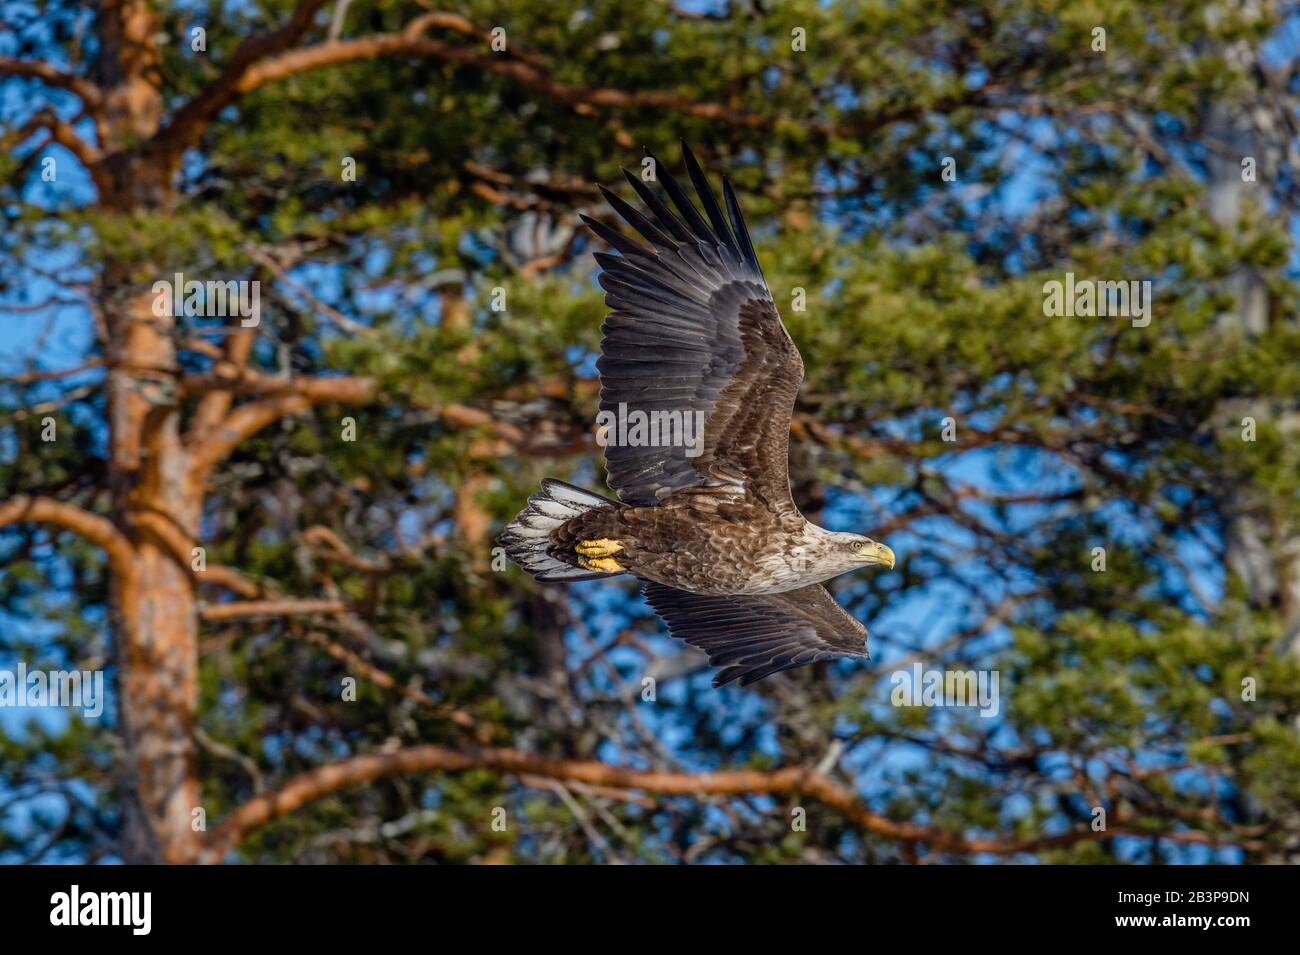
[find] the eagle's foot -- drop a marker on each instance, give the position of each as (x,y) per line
(604,565)
(604,547)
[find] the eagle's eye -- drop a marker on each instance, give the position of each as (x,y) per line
(858,545)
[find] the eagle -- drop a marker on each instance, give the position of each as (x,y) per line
(706,521)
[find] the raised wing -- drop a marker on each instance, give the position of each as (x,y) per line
(694,331)
(754,636)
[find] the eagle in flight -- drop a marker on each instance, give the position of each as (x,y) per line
(708,525)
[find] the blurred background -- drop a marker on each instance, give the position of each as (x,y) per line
(276,541)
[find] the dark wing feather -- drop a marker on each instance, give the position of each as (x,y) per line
(694,330)
(753,636)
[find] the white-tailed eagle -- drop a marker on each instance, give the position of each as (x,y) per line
(706,521)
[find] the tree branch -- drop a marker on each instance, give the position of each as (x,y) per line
(30,377)
(317,783)
(385,681)
(90,94)
(583,100)
(171,535)
(228,376)
(333,314)
(337,19)
(189,121)
(241,424)
(215,405)
(286,397)
(248,72)
(94,528)
(280,607)
(60,132)
(231,579)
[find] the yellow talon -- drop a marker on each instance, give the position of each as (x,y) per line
(598,548)
(604,565)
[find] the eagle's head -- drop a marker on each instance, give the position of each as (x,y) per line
(863,550)
(833,553)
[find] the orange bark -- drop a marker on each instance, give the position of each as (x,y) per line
(787,781)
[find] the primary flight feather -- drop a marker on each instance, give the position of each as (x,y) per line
(706,521)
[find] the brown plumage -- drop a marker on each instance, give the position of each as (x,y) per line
(707,520)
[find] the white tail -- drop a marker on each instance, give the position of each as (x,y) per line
(527,537)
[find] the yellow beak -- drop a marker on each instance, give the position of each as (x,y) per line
(879,554)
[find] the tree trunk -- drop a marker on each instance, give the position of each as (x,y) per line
(156,617)
(1265,555)
(157,684)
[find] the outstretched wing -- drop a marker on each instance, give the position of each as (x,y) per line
(754,636)
(694,331)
